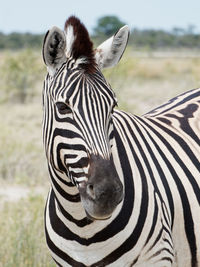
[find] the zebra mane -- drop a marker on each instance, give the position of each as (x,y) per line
(79,45)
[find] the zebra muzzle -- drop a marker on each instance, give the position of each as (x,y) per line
(103,191)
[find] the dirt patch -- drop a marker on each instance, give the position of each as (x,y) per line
(15,193)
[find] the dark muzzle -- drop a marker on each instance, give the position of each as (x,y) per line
(103,191)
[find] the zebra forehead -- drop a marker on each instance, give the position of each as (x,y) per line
(73,86)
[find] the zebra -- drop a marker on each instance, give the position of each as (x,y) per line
(125,189)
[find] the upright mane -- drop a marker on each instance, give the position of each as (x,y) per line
(79,44)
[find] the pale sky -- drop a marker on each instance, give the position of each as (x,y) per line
(37,16)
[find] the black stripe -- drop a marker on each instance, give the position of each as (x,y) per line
(188,219)
(135,235)
(154,221)
(187,113)
(62,192)
(65,257)
(117,225)
(183,101)
(148,165)
(77,78)
(80,223)
(53,173)
(187,150)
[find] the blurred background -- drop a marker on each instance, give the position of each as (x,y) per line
(162,60)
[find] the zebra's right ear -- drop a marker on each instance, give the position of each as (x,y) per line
(54,46)
(109,53)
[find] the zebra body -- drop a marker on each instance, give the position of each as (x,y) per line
(154,157)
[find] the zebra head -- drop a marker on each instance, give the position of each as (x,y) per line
(78,107)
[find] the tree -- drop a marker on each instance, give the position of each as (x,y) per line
(108,25)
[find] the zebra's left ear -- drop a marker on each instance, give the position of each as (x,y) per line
(110,52)
(54,46)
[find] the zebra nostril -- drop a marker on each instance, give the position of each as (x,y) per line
(90,191)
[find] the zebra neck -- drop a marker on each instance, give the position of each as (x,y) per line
(65,215)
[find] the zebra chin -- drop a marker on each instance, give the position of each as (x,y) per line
(103,191)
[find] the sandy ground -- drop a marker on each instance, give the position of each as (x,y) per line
(15,193)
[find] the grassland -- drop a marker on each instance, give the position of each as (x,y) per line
(140,82)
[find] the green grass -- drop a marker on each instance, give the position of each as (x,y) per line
(140,83)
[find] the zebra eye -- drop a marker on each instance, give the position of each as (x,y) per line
(63,108)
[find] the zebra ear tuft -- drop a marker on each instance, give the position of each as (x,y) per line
(110,52)
(54,46)
(78,44)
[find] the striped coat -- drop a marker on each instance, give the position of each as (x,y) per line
(154,158)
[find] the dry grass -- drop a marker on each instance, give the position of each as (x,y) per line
(22,235)
(22,158)
(22,164)
(140,83)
